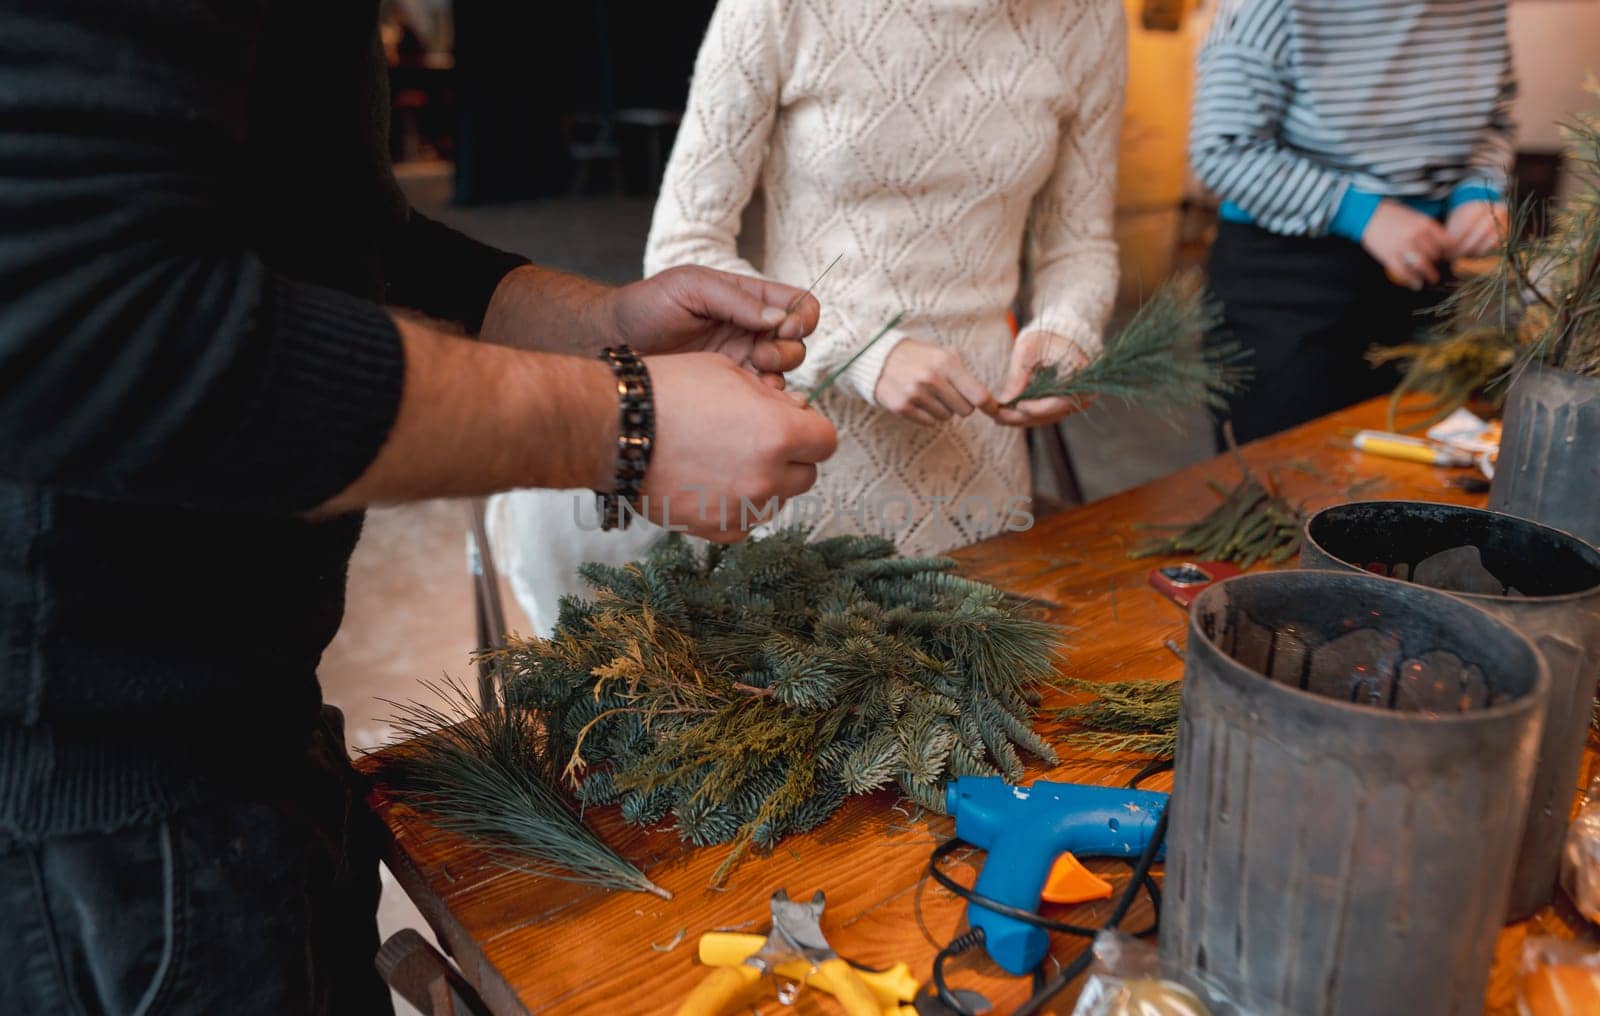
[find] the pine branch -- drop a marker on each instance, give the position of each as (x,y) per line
(1253,523)
(1539,304)
(484,775)
(1451,367)
(828,382)
(1159,359)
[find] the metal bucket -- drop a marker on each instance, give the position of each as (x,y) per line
(1354,757)
(1558,577)
(1549,464)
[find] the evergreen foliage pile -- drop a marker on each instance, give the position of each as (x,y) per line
(741,694)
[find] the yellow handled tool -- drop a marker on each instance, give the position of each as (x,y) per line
(796,938)
(1409,449)
(727,990)
(890,987)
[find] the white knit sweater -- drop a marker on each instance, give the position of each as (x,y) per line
(947,149)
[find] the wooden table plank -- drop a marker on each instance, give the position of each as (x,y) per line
(538,945)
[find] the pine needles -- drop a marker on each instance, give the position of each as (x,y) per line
(1540,303)
(838,372)
(1158,359)
(1126,717)
(1253,523)
(742,694)
(1450,368)
(484,775)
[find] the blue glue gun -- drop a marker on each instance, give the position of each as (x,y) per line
(1025,829)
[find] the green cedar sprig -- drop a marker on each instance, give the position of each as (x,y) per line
(1159,359)
(1125,717)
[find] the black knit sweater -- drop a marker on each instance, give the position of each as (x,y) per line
(198,223)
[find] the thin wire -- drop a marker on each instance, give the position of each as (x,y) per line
(814,283)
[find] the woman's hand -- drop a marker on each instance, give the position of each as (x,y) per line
(1476,228)
(929,384)
(1408,244)
(1032,351)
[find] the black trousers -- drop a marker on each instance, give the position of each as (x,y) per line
(1308,309)
(257,904)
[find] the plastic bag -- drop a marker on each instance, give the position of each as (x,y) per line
(540,537)
(1580,858)
(1127,980)
(1558,978)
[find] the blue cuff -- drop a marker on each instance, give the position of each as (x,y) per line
(1354,212)
(1467,193)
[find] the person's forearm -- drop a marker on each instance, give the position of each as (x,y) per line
(477,418)
(573,314)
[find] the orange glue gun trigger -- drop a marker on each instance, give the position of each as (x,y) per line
(1071,882)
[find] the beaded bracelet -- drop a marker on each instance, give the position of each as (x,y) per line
(635,436)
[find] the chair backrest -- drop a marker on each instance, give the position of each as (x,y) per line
(490,611)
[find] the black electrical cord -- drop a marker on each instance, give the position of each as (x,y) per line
(1043,991)
(1081,963)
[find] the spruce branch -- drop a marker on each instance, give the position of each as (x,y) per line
(1159,359)
(485,775)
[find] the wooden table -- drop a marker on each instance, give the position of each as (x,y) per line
(538,945)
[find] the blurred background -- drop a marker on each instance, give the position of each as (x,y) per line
(544,128)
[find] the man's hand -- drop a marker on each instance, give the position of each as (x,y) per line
(724,438)
(1034,350)
(1408,244)
(1476,228)
(927,384)
(685,310)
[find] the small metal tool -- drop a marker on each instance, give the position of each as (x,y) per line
(796,936)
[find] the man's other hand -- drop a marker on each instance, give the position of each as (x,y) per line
(725,440)
(692,309)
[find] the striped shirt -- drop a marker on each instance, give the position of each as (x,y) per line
(1308,112)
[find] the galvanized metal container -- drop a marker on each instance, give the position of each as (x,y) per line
(1354,758)
(1554,599)
(1549,464)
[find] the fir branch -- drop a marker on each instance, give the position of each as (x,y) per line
(484,775)
(1159,359)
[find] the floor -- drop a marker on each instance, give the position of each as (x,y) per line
(410,614)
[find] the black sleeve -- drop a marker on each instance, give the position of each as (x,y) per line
(146,353)
(442,273)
